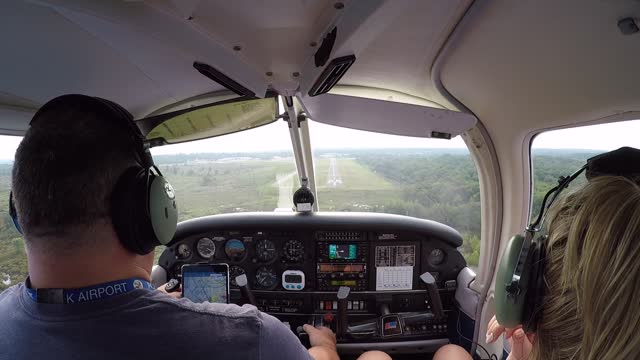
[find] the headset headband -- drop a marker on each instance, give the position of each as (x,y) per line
(624,161)
(122,116)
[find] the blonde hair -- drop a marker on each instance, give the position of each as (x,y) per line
(592,295)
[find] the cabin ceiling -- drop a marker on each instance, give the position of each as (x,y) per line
(523,66)
(519,66)
(140,53)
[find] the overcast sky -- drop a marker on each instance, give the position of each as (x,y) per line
(276,137)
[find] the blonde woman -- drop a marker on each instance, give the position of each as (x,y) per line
(592,277)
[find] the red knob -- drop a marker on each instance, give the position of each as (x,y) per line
(327,318)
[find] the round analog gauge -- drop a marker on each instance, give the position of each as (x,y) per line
(235,271)
(235,249)
(266,250)
(206,248)
(184,251)
(266,278)
(293,250)
(436,257)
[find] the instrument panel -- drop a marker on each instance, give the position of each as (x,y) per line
(262,255)
(295,264)
(359,253)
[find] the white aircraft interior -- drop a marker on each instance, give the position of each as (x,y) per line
(494,73)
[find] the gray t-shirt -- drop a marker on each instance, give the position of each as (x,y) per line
(141,324)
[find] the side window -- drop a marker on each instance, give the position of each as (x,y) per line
(13,260)
(561,152)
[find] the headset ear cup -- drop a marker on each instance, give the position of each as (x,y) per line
(509,308)
(145,240)
(535,298)
(143,210)
(121,207)
(14,213)
(128,201)
(163,211)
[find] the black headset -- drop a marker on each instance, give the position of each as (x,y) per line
(520,278)
(143,205)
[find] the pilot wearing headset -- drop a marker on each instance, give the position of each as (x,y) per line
(92,206)
(574,293)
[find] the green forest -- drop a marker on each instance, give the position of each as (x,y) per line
(436,184)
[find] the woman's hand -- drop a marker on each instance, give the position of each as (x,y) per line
(521,343)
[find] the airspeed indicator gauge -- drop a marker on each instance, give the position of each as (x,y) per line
(266,278)
(206,248)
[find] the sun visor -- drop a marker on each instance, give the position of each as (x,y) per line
(386,117)
(14,120)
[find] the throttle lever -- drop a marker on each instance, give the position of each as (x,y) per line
(315,321)
(304,337)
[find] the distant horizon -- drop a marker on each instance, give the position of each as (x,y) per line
(440,149)
(346,149)
(275,138)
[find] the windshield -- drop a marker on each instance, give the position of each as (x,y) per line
(426,178)
(252,170)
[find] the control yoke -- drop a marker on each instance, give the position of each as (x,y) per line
(243,284)
(434,294)
(341,328)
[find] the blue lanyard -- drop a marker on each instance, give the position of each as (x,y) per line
(90,293)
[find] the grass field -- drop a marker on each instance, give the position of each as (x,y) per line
(224,187)
(12,255)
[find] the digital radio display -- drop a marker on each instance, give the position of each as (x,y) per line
(343,283)
(343,251)
(339,268)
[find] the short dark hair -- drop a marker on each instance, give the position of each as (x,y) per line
(67,166)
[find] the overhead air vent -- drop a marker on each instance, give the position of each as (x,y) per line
(222,79)
(331,75)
